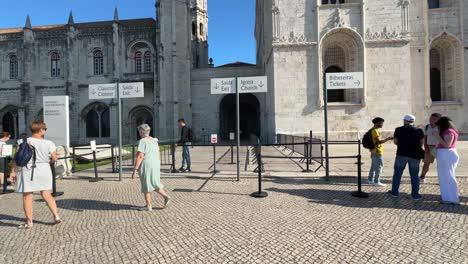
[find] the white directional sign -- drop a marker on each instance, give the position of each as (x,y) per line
(344,80)
(255,84)
(102,91)
(223,85)
(132,90)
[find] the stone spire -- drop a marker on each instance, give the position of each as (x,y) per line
(116,14)
(71,21)
(28,23)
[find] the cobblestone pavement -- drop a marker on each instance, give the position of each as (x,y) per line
(212,219)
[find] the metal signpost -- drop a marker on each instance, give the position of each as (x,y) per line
(109,91)
(338,81)
(253,84)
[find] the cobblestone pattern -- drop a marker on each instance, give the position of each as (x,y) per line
(212,219)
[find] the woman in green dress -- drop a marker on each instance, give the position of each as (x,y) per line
(148,167)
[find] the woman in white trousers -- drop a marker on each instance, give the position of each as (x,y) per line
(447,160)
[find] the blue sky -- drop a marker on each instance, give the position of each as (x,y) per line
(231,22)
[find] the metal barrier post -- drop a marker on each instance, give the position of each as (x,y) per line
(214,159)
(96,178)
(306,152)
(259,193)
(54,182)
(173,166)
(74,159)
(113,159)
(133,154)
(359,192)
(232,152)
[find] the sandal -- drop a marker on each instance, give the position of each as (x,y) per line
(167,201)
(58,221)
(26,226)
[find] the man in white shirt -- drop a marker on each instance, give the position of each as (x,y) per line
(430,143)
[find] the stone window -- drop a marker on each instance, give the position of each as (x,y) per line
(148,64)
(138,62)
(335,61)
(327,2)
(201,30)
(446,64)
(97,121)
(194,29)
(433,4)
(98,62)
(342,51)
(435,81)
(141,54)
(55,64)
(13,67)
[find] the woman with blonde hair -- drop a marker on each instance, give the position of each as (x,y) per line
(447,160)
(37,175)
(148,167)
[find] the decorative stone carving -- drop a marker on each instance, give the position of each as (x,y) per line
(293,40)
(386,36)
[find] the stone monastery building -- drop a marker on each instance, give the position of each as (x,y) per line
(411,53)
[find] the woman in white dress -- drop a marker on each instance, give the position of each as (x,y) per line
(447,160)
(42,177)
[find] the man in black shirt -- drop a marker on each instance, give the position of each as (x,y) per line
(185,142)
(409,140)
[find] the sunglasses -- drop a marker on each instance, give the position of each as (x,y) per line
(45,128)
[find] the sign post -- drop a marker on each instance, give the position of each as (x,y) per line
(338,81)
(253,84)
(110,91)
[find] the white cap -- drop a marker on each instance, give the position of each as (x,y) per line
(409,118)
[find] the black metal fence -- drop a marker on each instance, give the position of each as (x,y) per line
(311,149)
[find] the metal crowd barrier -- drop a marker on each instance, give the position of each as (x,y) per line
(310,148)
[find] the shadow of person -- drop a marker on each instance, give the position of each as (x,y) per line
(84,205)
(429,202)
(6,219)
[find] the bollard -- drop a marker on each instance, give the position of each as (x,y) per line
(96,178)
(173,165)
(259,193)
(359,192)
(214,160)
(74,159)
(54,182)
(113,159)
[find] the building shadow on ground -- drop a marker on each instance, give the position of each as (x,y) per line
(429,202)
(87,205)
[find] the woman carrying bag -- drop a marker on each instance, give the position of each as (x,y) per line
(36,176)
(447,160)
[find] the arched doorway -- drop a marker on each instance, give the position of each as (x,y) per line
(9,120)
(249,115)
(138,116)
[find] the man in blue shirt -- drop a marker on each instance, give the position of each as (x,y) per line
(409,140)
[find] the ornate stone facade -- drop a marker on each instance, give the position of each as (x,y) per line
(412,57)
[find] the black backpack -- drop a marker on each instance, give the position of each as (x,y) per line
(25,153)
(367,140)
(191,136)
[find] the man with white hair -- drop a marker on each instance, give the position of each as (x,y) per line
(409,140)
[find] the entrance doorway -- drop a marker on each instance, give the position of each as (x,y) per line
(249,116)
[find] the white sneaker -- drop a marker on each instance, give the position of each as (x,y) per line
(380,184)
